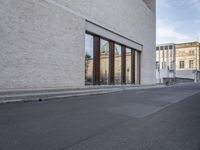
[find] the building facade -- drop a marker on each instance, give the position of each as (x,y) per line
(73,43)
(165,62)
(186,58)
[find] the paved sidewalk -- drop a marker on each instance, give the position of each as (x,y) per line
(48,94)
(146,119)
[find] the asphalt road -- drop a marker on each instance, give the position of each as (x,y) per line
(153,119)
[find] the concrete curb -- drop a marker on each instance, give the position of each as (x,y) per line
(44,96)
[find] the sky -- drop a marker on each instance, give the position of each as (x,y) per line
(178,21)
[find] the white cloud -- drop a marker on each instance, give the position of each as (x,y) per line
(167,33)
(172,30)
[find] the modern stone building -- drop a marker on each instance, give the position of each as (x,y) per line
(73,43)
(185,62)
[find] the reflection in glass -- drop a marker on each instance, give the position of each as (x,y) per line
(89,59)
(104,62)
(128,66)
(137,67)
(117,64)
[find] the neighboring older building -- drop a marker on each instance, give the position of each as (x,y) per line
(187,61)
(72,43)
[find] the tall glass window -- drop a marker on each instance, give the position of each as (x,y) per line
(137,67)
(104,66)
(128,66)
(118,64)
(89,59)
(104,62)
